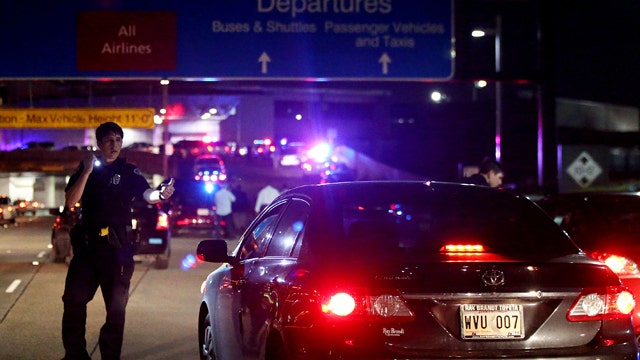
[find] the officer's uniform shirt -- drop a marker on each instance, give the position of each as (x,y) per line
(106,200)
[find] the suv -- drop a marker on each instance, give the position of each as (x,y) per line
(8,212)
(150,223)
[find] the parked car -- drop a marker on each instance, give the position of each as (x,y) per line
(193,210)
(390,270)
(607,227)
(8,212)
(150,222)
(66,218)
(24,207)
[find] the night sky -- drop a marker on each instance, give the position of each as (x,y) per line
(597,50)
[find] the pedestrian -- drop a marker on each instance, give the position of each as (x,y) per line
(103,242)
(490,174)
(265,197)
(224,199)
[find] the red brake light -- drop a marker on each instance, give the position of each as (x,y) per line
(163,221)
(340,304)
(362,305)
(612,302)
(462,248)
(618,264)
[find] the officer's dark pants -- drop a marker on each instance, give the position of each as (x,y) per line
(93,265)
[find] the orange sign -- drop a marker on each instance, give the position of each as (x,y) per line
(75,118)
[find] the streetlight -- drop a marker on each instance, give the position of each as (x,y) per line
(497,34)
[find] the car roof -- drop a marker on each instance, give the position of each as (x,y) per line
(390,186)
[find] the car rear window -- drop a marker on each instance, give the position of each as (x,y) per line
(420,224)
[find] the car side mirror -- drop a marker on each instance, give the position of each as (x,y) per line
(214,251)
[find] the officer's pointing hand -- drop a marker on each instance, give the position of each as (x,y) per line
(167,189)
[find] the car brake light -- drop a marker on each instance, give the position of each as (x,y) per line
(618,264)
(356,305)
(462,248)
(612,302)
(340,304)
(163,222)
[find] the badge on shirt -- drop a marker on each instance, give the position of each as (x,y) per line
(115,180)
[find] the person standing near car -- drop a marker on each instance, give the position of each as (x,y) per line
(223,199)
(102,242)
(490,174)
(265,197)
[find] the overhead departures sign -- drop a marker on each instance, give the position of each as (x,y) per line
(75,118)
(229,39)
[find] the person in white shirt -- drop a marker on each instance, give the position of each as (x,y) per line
(223,199)
(265,197)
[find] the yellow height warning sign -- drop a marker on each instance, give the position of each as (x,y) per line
(51,118)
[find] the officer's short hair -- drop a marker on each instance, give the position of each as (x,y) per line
(106,128)
(489,165)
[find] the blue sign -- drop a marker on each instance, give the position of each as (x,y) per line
(228,39)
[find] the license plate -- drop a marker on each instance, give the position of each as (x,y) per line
(491,321)
(202,212)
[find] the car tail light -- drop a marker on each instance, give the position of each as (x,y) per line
(618,264)
(611,302)
(348,304)
(163,221)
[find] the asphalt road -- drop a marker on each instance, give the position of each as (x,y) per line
(161,315)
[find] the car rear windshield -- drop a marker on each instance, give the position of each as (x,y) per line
(419,224)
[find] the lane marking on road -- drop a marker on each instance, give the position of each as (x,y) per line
(13,286)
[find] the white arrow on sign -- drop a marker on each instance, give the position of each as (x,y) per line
(385,60)
(264,59)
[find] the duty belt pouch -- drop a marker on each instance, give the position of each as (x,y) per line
(117,236)
(120,236)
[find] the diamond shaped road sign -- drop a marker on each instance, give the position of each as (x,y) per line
(584,170)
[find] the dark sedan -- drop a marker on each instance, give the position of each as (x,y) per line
(606,226)
(388,270)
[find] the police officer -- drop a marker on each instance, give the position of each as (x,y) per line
(102,242)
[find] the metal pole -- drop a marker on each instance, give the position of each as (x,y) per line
(498,63)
